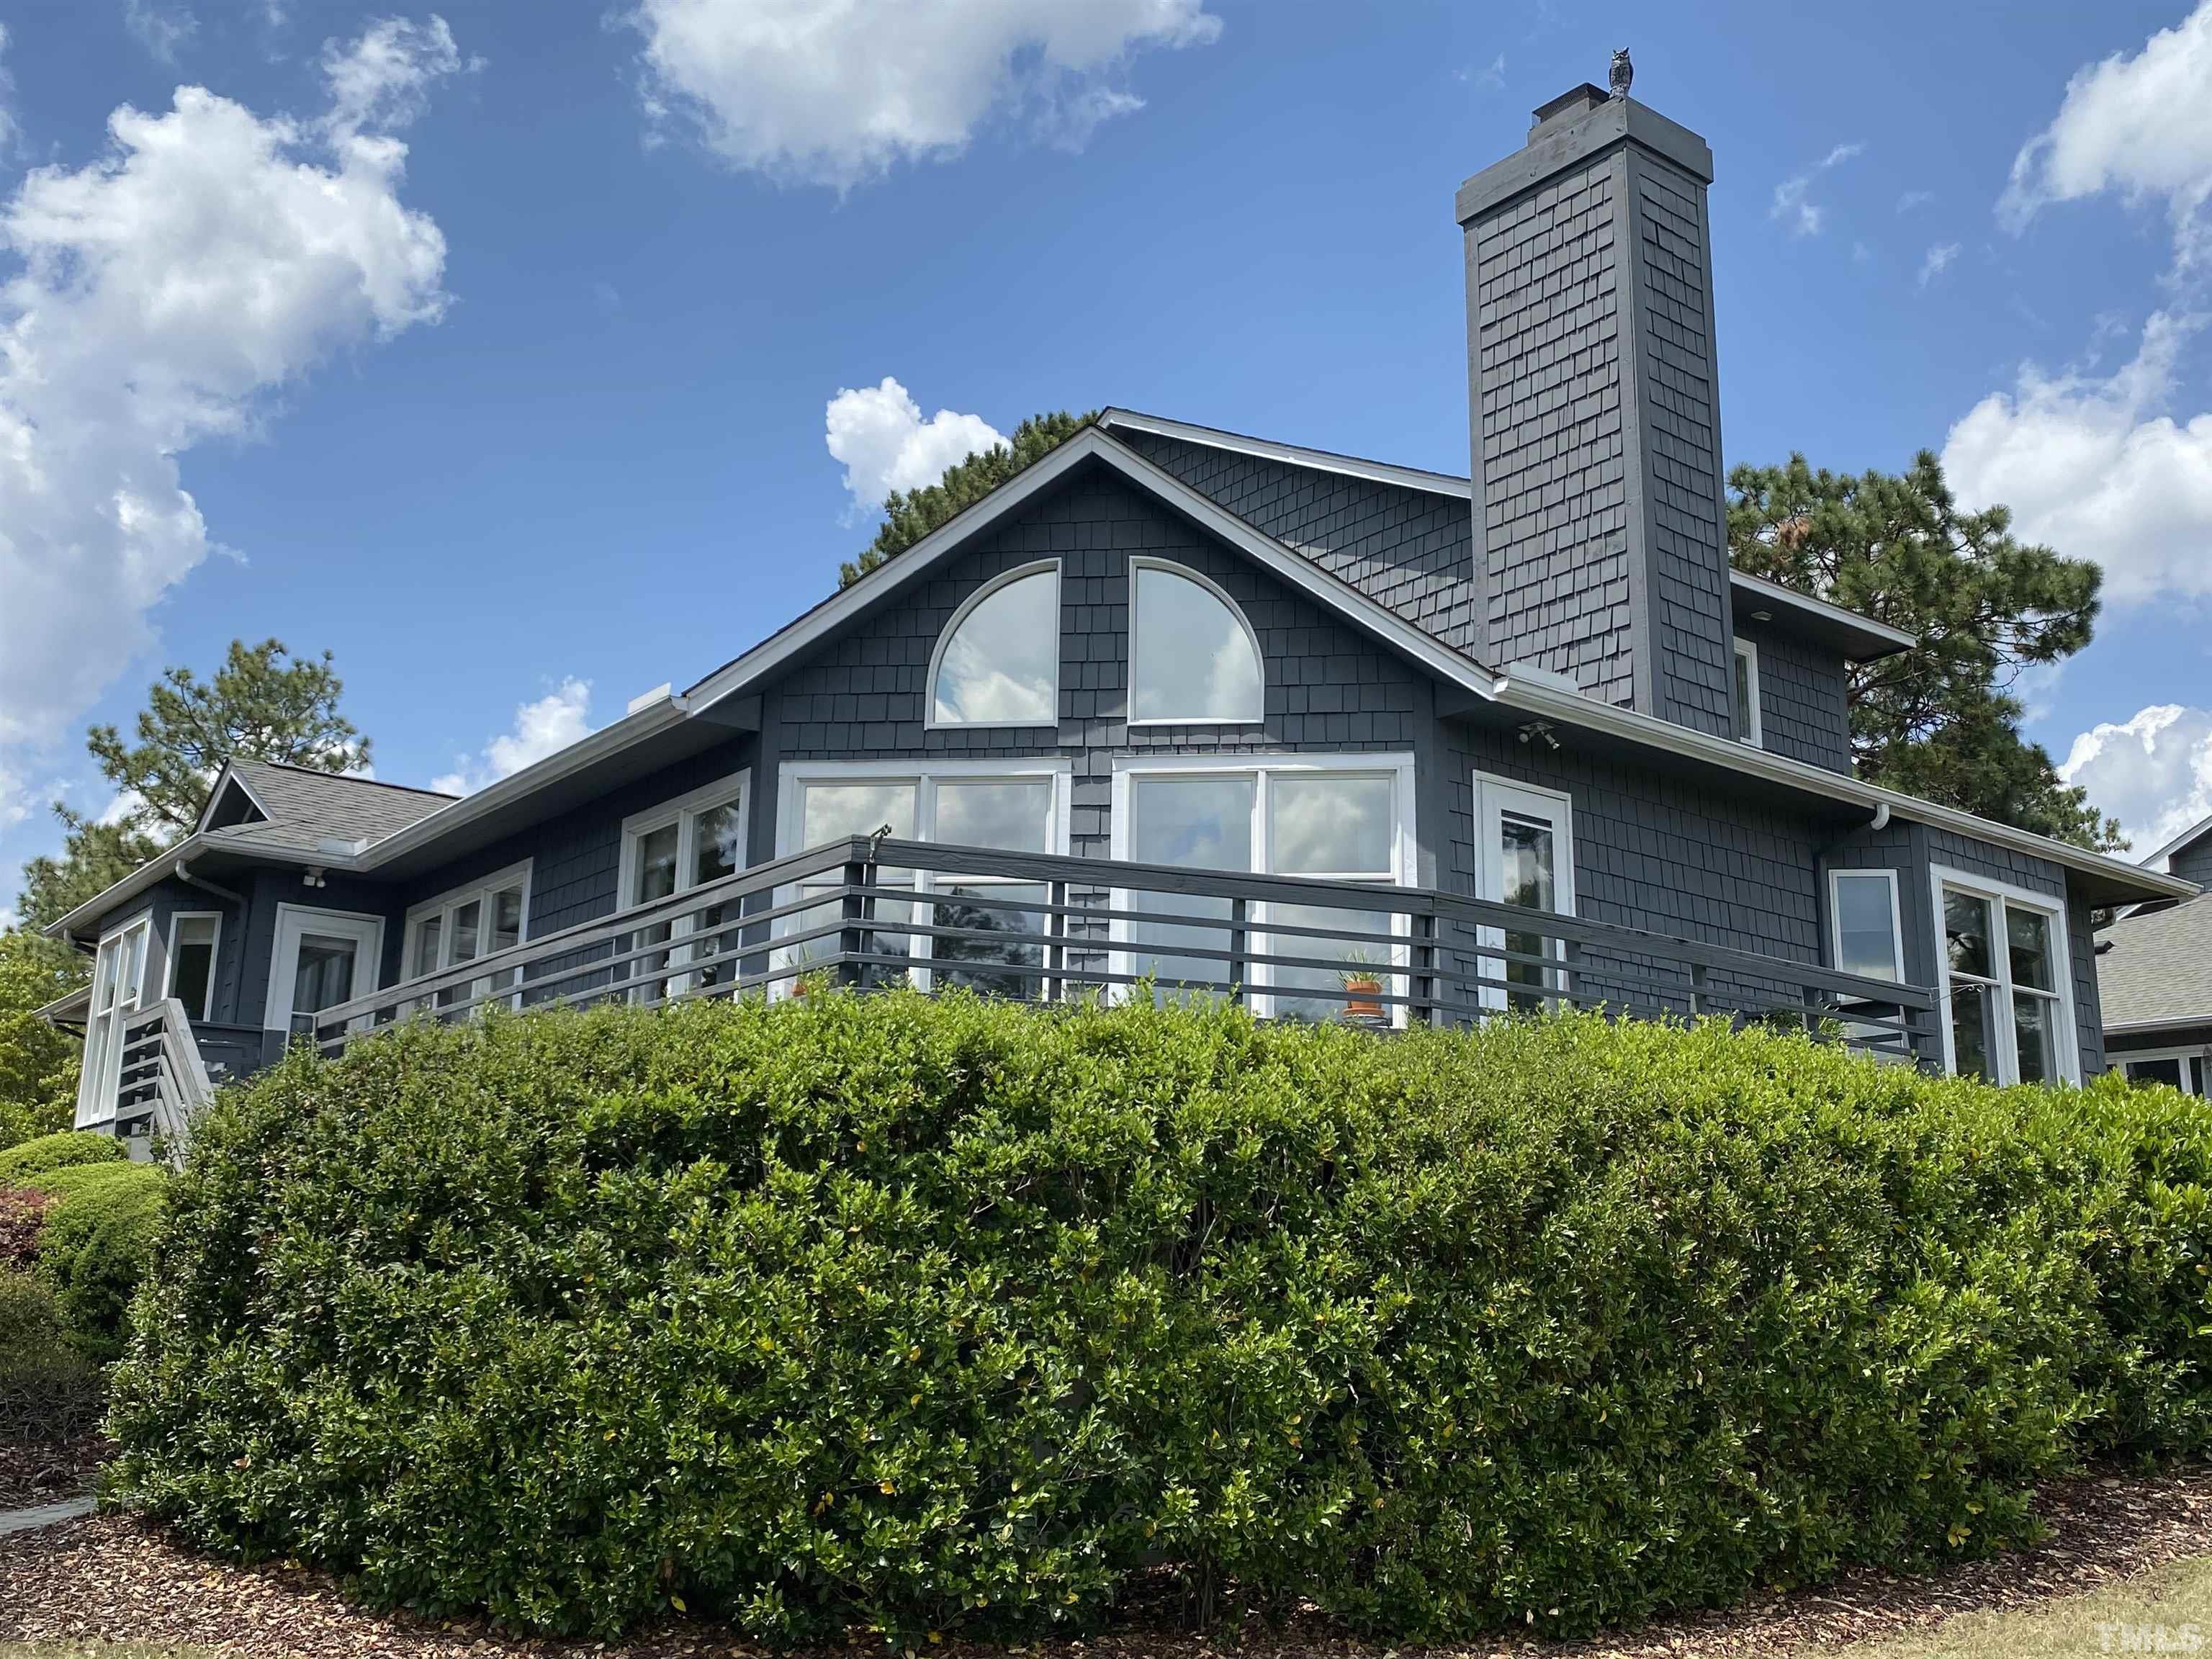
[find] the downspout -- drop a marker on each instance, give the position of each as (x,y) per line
(184,872)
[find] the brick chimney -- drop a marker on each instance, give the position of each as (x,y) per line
(1600,529)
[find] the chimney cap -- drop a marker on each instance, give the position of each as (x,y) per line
(1569,105)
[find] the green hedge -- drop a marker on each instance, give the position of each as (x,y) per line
(935,1315)
(47,1390)
(68,1149)
(93,1243)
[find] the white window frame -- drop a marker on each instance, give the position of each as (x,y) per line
(1835,877)
(1138,564)
(214,961)
(1004,579)
(2121,1059)
(1263,769)
(685,811)
(100,1075)
(445,904)
(2002,896)
(292,920)
(1748,650)
(1493,794)
(793,776)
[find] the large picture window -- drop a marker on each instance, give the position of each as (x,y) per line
(1345,817)
(1193,658)
(1018,806)
(2008,1010)
(998,662)
(683,843)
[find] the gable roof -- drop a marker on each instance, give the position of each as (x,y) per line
(2163,858)
(1860,639)
(2155,969)
(412,820)
(305,809)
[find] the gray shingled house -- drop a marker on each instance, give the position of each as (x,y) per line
(1176,705)
(2154,976)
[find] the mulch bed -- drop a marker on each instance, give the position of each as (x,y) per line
(47,1471)
(113,1577)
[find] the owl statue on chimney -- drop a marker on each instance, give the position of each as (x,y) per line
(1623,73)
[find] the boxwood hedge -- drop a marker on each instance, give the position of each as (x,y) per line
(917,1315)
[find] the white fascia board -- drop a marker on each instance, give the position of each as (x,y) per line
(1540,700)
(164,863)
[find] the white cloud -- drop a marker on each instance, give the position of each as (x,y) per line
(2096,467)
(1913,198)
(1793,197)
(810,92)
(7,97)
(383,79)
(2153,772)
(161,293)
(878,432)
(1937,262)
(123,806)
(160,30)
(541,728)
(2142,125)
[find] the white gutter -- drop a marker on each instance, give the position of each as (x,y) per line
(1577,710)
(170,861)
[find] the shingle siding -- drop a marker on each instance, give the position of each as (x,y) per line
(1803,698)
(1410,550)
(2193,862)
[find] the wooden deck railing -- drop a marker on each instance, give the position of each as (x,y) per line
(1044,927)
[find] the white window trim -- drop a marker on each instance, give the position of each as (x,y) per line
(1749,651)
(2121,1059)
(1405,843)
(292,920)
(1835,918)
(1004,579)
(446,903)
(2003,894)
(1140,563)
(681,811)
(1486,875)
(96,1085)
(215,960)
(791,817)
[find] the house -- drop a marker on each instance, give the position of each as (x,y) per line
(1334,733)
(2154,976)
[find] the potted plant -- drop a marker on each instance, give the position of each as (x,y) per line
(1363,987)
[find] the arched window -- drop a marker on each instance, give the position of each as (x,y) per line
(1192,655)
(997,661)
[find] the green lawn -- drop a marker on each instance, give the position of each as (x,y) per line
(2173,1602)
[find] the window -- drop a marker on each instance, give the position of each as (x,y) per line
(2184,1069)
(1525,857)
(1018,806)
(1868,936)
(997,661)
(1340,818)
(1193,658)
(1746,693)
(321,958)
(681,844)
(119,974)
(484,917)
(195,936)
(2008,1014)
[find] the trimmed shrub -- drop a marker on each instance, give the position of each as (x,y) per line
(931,1314)
(93,1246)
(47,1392)
(65,1150)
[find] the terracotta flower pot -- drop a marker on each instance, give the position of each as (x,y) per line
(1363,999)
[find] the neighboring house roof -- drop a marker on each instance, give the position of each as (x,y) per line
(421,818)
(1861,638)
(2163,858)
(2155,971)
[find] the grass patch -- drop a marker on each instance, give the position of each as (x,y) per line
(2173,1602)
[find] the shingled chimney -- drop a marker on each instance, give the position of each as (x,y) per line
(1600,527)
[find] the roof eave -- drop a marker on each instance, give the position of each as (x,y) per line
(164,863)
(1861,638)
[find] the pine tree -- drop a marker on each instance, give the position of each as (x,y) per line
(911,515)
(1940,721)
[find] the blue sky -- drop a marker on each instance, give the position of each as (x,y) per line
(495,349)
